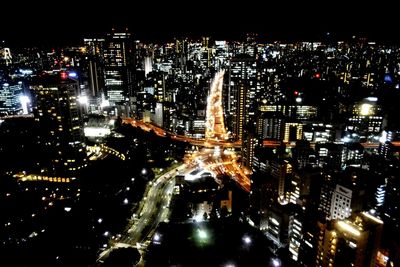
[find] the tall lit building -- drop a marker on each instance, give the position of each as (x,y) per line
(280,170)
(240,117)
(56,109)
(366,119)
(353,242)
(325,201)
(158,118)
(10,98)
(295,235)
(148,65)
(341,203)
(329,155)
(344,193)
(241,93)
(270,125)
(5,56)
(156,81)
(94,65)
(293,131)
(118,62)
(248,147)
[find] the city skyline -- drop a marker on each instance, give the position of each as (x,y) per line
(117,151)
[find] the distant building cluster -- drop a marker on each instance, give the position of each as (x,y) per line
(316,122)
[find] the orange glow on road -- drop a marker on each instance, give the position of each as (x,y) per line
(212,156)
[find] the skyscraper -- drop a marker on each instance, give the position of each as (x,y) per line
(56,110)
(93,51)
(10,98)
(248,148)
(354,242)
(241,93)
(366,120)
(118,61)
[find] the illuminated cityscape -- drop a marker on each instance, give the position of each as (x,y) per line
(132,138)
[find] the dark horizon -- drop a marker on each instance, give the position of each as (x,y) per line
(45,24)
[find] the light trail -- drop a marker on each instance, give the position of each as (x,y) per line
(215,126)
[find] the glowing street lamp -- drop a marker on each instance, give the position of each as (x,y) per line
(276,262)
(247,240)
(202,234)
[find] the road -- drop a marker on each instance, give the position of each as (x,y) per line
(221,161)
(153,209)
(214,156)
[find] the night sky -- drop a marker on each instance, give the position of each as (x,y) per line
(67,22)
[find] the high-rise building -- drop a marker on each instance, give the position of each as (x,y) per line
(11,100)
(148,65)
(118,63)
(5,56)
(293,131)
(353,242)
(327,188)
(283,227)
(295,234)
(329,155)
(155,81)
(240,117)
(248,147)
(352,154)
(341,203)
(345,192)
(241,93)
(158,118)
(280,170)
(270,125)
(56,109)
(366,120)
(303,154)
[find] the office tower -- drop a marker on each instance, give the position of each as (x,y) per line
(366,120)
(346,192)
(329,155)
(248,147)
(118,63)
(240,117)
(352,154)
(281,226)
(148,65)
(5,56)
(293,131)
(303,154)
(270,125)
(93,66)
(327,188)
(57,111)
(341,203)
(11,98)
(241,94)
(155,82)
(158,118)
(391,209)
(319,132)
(352,242)
(94,46)
(386,143)
(250,45)
(280,170)
(295,188)
(295,233)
